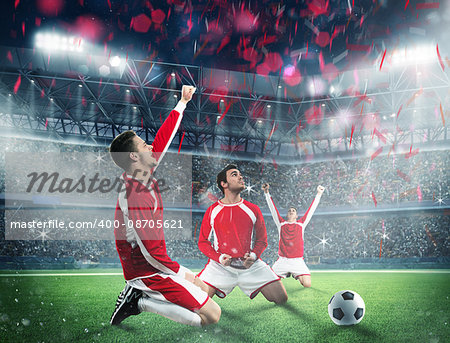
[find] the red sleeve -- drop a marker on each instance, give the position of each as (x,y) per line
(150,239)
(167,131)
(203,241)
(260,233)
(276,209)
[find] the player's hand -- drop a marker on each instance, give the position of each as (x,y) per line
(225,259)
(189,277)
(186,93)
(320,189)
(265,187)
(248,260)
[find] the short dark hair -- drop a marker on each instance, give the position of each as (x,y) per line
(295,208)
(122,143)
(222,176)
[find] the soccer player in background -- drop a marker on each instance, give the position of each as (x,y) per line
(154,282)
(233,261)
(291,232)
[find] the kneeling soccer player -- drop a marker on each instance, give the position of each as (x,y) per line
(154,282)
(233,221)
(291,231)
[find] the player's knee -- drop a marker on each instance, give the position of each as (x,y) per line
(280,298)
(306,284)
(211,315)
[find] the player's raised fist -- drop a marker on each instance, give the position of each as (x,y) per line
(186,93)
(320,189)
(265,187)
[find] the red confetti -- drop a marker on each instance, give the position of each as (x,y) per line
(42,92)
(17,84)
(109,4)
(351,135)
(292,77)
(50,8)
(314,115)
(376,153)
(318,7)
(181,142)
(224,42)
(158,16)
(274,61)
(37,21)
(46,122)
(442,114)
(379,135)
(401,106)
(430,236)
(321,61)
(141,23)
(274,164)
(224,112)
(411,152)
(323,39)
(403,175)
(330,72)
(407,3)
(16,3)
(419,193)
(358,47)
(23,28)
(9,56)
(274,128)
(382,60)
(440,58)
(427,5)
(374,199)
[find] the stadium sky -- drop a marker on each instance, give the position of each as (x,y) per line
(235,35)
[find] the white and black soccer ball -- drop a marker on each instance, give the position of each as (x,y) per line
(346,308)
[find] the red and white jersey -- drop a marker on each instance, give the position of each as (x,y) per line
(139,238)
(291,234)
(232,227)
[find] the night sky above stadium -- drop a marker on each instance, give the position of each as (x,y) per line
(255,36)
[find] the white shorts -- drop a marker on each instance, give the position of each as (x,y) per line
(284,267)
(172,289)
(250,281)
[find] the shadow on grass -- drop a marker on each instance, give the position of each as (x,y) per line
(361,330)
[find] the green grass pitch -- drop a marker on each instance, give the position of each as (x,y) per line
(400,307)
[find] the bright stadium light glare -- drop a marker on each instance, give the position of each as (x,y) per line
(412,55)
(57,42)
(114,61)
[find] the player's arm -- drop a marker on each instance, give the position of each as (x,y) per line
(273,210)
(204,243)
(312,208)
(169,128)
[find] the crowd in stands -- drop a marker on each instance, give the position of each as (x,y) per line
(384,181)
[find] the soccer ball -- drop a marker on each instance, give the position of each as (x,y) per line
(346,308)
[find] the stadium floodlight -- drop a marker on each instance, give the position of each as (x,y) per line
(115,61)
(413,55)
(58,42)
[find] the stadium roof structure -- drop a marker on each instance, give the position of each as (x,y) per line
(85,97)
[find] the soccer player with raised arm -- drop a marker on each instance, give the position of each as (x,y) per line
(233,223)
(291,231)
(154,282)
